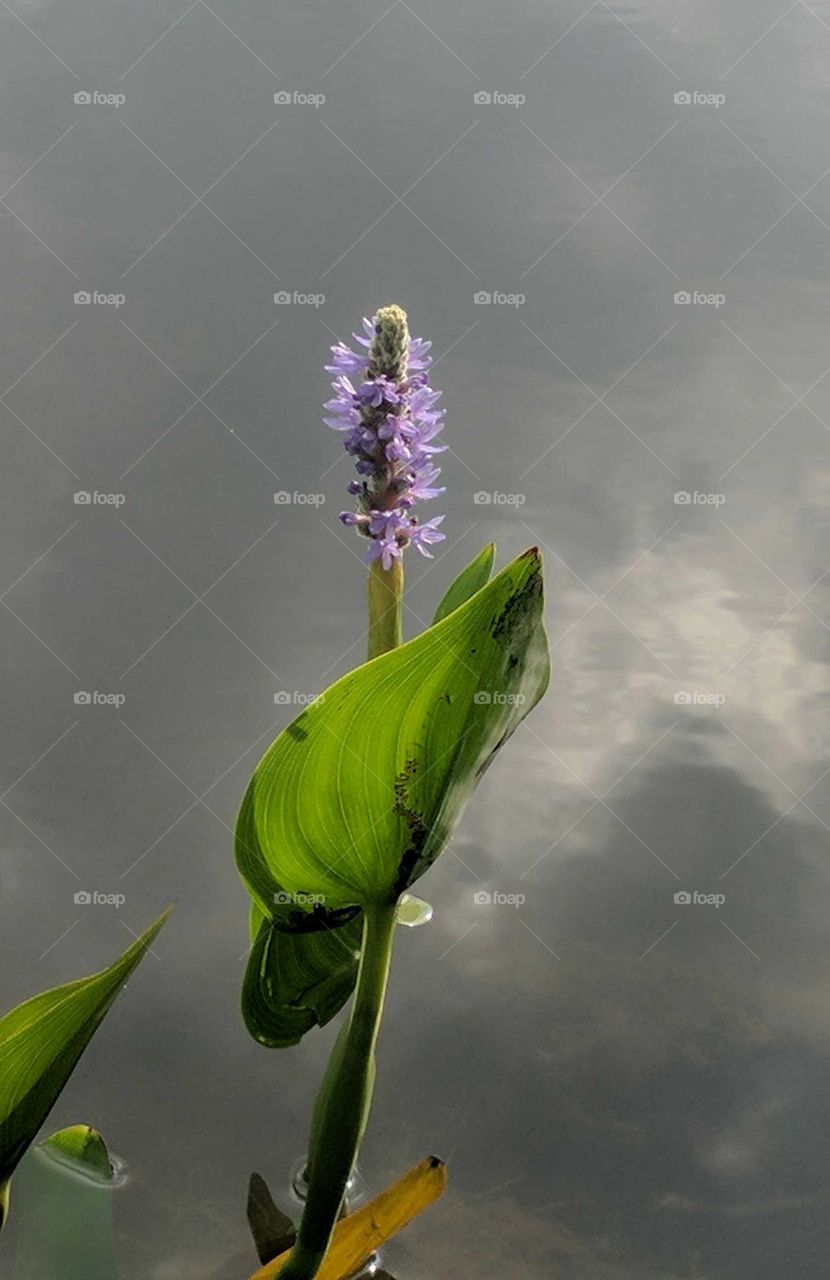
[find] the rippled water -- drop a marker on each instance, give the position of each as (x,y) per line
(626,1086)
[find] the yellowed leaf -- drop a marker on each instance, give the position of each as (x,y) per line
(358,1235)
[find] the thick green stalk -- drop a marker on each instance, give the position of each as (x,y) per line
(385,606)
(342,1106)
(341,1110)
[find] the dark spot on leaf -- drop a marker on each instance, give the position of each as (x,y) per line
(298,920)
(418,830)
(518,609)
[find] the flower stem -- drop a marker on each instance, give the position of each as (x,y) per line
(385,606)
(342,1106)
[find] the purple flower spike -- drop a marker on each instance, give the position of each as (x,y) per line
(385,406)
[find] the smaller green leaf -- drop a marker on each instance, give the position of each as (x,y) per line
(83,1147)
(296,981)
(41,1041)
(469,581)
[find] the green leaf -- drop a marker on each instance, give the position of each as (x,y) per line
(357,797)
(291,913)
(469,581)
(41,1041)
(296,981)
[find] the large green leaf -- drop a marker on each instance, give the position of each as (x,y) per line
(290,913)
(41,1041)
(359,795)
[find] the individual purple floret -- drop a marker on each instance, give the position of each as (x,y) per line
(385,407)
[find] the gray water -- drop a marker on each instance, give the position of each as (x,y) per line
(626,1087)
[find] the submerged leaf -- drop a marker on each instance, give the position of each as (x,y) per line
(41,1041)
(358,796)
(83,1147)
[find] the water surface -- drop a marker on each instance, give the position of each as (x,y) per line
(626,1087)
